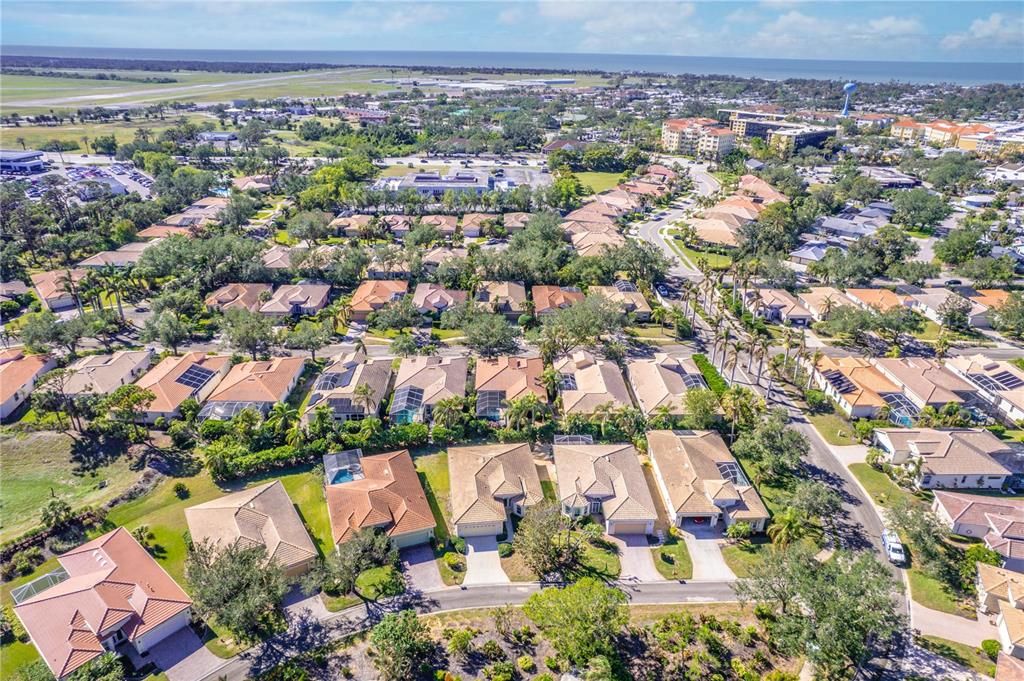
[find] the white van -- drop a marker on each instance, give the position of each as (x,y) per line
(893,547)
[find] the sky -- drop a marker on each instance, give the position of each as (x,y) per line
(953,30)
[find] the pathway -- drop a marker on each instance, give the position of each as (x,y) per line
(636,558)
(421,569)
(704,545)
(952,627)
(483,564)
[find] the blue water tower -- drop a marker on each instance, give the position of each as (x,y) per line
(849,89)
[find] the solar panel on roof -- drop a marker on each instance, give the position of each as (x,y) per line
(1008,380)
(343,405)
(839,381)
(694,381)
(195,377)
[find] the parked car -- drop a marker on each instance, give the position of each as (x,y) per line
(893,547)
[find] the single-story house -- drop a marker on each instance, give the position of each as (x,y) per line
(997,585)
(294,300)
(422,382)
(239,296)
(339,387)
(776,305)
(473,224)
(176,379)
(103,374)
(549,299)
(374,294)
(948,458)
(18,375)
(488,482)
(999,383)
(253,385)
(434,299)
(663,381)
(628,297)
(500,380)
(586,383)
(997,521)
(822,301)
(503,297)
(56,288)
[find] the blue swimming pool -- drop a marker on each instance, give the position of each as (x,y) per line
(342,475)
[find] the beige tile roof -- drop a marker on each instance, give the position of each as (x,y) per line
(980,365)
(629,301)
(238,296)
(398,223)
(306,296)
(595,243)
(1006,585)
(973,509)
(281,257)
(351,224)
(1013,621)
(868,382)
(353,370)
(515,376)
(164,231)
(688,464)
(661,381)
(953,451)
(375,294)
(751,184)
(501,296)
(598,382)
(729,219)
(1009,668)
(113,583)
(436,298)
(879,298)
(714,231)
(445,224)
(819,297)
(259,516)
(477,220)
(259,381)
(927,379)
(129,254)
(161,378)
(49,285)
(442,254)
(611,474)
(550,298)
(438,377)
(389,496)
(515,221)
(481,473)
(17,369)
(780,299)
(576,227)
(102,374)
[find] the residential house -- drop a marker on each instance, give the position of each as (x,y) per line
(439,255)
(997,521)
(953,458)
(259,183)
(103,374)
(474,224)
(253,385)
(810,252)
(548,300)
(280,257)
(606,481)
(926,382)
(447,225)
(176,379)
(627,296)
(877,299)
(422,382)
(503,297)
(388,265)
(12,290)
(499,380)
(259,516)
(1010,625)
(18,375)
(822,301)
(434,299)
(375,294)
(295,300)
(997,585)
(164,231)
(661,383)
(515,222)
(587,383)
(125,256)
(776,305)
(351,225)
(855,384)
(399,225)
(340,387)
(701,482)
(489,482)
(239,297)
(57,288)
(1000,384)
(200,214)
(596,242)
(1009,668)
(107,594)
(930,302)
(382,492)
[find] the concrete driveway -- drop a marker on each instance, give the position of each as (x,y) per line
(636,558)
(183,657)
(483,565)
(420,568)
(704,545)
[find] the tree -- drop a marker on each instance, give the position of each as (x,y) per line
(1009,317)
(581,620)
(925,531)
(56,513)
(580,324)
(919,208)
(398,315)
(106,667)
(954,313)
(167,328)
(248,331)
(543,542)
(308,335)
(490,334)
(310,225)
(815,499)
(701,408)
(362,550)
(986,271)
(788,526)
(125,406)
(893,323)
(51,395)
(237,584)
(775,447)
(401,644)
(963,245)
(44,330)
(914,272)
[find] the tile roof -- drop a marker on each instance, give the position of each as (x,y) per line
(51,284)
(867,382)
(926,379)
(516,220)
(441,254)
(598,382)
(609,473)
(17,369)
(280,257)
(112,582)
(663,381)
(161,379)
(952,451)
(374,294)
(259,381)
(438,377)
(163,231)
(337,384)
(436,298)
(982,371)
(238,296)
(102,374)
(1013,621)
(751,184)
(879,298)
(305,296)
(595,243)
(550,298)
(1009,668)
(1006,585)
(480,473)
(478,220)
(389,495)
(259,516)
(501,296)
(819,297)
(514,376)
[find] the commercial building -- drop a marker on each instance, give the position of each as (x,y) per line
(434,185)
(784,135)
(21,162)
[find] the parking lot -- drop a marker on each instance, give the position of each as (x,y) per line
(126,174)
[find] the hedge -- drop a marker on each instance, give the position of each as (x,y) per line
(718,385)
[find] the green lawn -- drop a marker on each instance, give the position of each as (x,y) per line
(38,465)
(932,593)
(433,472)
(835,429)
(597,561)
(968,656)
(716,261)
(599,182)
(743,557)
(401,170)
(673,560)
(16,655)
(883,490)
(550,493)
(376,582)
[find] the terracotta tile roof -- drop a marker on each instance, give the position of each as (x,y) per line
(688,462)
(389,496)
(112,581)
(662,381)
(515,376)
(501,296)
(102,374)
(163,231)
(480,473)
(259,516)
(446,224)
(550,298)
(238,296)
(259,381)
(50,284)
(991,297)
(598,382)
(435,298)
(878,298)
(609,473)
(161,379)
(17,369)
(1009,668)
(867,381)
(755,185)
(375,294)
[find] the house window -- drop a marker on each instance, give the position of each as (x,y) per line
(595,506)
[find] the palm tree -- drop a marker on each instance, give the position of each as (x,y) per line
(115,282)
(448,412)
(21,141)
(661,417)
(363,395)
(815,358)
(737,348)
(550,380)
(601,415)
(282,415)
(942,344)
(788,526)
(659,314)
(68,283)
(721,334)
(525,411)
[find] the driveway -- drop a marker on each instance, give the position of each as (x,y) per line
(704,545)
(420,568)
(483,565)
(636,558)
(296,603)
(183,657)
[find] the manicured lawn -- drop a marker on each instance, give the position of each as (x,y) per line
(37,466)
(716,261)
(930,332)
(433,472)
(550,494)
(673,560)
(962,654)
(445,334)
(307,493)
(743,557)
(375,582)
(833,428)
(15,655)
(400,170)
(598,561)
(883,490)
(599,182)
(932,593)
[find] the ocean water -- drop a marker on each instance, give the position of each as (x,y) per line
(963,73)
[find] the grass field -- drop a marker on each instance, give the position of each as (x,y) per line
(401,170)
(672,559)
(433,471)
(716,261)
(37,135)
(965,655)
(599,182)
(37,466)
(883,490)
(833,428)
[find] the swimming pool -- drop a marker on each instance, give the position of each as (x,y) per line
(342,475)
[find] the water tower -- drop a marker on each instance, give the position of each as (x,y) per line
(849,89)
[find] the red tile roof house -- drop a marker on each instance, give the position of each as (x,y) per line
(998,521)
(18,374)
(113,594)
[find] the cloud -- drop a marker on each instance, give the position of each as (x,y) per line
(619,27)
(895,26)
(742,16)
(801,36)
(996,30)
(512,15)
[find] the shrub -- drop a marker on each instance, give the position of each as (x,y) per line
(453,561)
(501,671)
(739,530)
(492,650)
(460,643)
(181,490)
(818,402)
(527,664)
(553,663)
(22,564)
(715,382)
(505,549)
(991,648)
(863,429)
(7,571)
(875,458)
(764,612)
(544,677)
(459,544)
(181,435)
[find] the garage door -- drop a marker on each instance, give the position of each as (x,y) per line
(413,538)
(629,527)
(479,529)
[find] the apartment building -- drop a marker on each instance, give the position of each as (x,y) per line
(703,137)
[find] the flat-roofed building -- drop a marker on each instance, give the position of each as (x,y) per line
(22,162)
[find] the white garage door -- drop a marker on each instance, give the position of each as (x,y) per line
(629,527)
(479,529)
